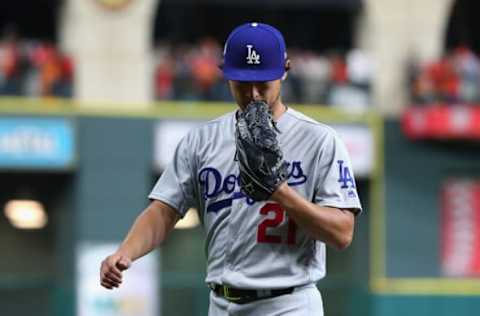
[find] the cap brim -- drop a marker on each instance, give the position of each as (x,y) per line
(252,75)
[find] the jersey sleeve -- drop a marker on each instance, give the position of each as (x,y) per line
(175,186)
(336,184)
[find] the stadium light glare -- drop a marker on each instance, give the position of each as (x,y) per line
(26,214)
(190,220)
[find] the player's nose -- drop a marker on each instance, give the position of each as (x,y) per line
(255,93)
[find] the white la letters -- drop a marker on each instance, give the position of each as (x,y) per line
(253,58)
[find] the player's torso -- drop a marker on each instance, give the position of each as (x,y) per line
(252,242)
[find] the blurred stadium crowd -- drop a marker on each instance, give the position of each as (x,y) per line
(34,68)
(191,72)
(453,79)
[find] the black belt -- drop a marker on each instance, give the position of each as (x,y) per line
(243,296)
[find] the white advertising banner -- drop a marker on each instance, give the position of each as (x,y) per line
(361,147)
(167,136)
(137,296)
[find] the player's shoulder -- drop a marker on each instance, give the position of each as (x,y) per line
(224,119)
(310,124)
(212,127)
(219,122)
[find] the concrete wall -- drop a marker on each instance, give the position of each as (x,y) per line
(112,51)
(398,33)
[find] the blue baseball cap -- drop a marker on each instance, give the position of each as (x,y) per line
(254,52)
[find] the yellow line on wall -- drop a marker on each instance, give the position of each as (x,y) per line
(426,286)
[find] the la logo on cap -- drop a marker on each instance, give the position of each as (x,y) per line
(253,58)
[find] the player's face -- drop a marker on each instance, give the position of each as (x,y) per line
(246,92)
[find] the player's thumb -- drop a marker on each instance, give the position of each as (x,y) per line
(124,263)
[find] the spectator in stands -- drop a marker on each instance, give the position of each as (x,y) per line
(361,68)
(50,71)
(424,91)
(313,71)
(343,92)
(64,87)
(467,66)
(10,66)
(292,88)
(453,79)
(204,68)
(184,88)
(164,74)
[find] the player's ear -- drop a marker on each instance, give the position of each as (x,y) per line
(287,68)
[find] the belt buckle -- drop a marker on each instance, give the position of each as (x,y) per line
(227,294)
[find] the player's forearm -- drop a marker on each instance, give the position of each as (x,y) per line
(330,225)
(149,230)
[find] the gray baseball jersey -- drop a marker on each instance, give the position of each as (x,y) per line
(254,245)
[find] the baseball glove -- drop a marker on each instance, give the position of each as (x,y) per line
(260,159)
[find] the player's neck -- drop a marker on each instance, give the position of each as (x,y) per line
(278,109)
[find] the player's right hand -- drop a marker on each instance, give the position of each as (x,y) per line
(111,270)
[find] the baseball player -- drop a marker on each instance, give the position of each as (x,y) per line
(271,185)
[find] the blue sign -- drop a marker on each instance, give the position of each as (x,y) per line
(40,143)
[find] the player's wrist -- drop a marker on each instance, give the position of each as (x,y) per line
(288,198)
(281,193)
(124,252)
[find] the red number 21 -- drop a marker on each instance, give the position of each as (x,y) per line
(278,218)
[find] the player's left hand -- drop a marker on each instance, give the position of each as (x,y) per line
(261,164)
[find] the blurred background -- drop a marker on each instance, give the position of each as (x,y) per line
(95,94)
